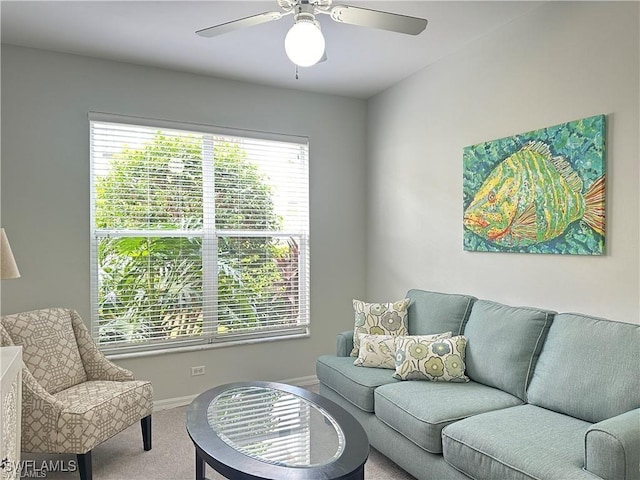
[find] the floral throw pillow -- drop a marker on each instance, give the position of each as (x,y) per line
(418,358)
(379,351)
(379,319)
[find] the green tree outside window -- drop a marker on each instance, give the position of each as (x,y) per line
(151,286)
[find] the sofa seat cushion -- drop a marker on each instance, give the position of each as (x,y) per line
(98,409)
(523,442)
(419,410)
(355,384)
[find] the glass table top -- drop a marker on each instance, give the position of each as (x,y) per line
(275,426)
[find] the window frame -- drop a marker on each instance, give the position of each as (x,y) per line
(210,337)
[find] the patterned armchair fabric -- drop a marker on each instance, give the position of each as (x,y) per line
(73,397)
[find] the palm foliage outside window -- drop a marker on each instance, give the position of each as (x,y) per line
(197,236)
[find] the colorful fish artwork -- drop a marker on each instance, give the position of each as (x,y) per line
(538,192)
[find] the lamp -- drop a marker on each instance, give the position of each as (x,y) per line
(8,267)
(304,42)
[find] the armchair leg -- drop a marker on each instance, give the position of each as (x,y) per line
(84,465)
(145,423)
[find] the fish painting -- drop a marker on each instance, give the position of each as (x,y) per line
(532,197)
(537,192)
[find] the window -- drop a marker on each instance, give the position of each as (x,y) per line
(199,234)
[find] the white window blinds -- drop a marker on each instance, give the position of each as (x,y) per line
(199,235)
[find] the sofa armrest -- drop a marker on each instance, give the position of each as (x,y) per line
(612,447)
(344,343)
(96,365)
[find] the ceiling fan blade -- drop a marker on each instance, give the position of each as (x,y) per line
(377,19)
(240,23)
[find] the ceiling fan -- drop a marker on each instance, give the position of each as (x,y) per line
(304,43)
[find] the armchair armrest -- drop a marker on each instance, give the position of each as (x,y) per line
(5,339)
(96,365)
(612,447)
(40,414)
(344,343)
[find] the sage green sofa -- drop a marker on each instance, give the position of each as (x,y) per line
(550,396)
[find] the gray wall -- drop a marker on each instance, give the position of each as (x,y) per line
(564,61)
(45,194)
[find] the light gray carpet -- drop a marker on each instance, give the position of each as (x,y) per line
(171,458)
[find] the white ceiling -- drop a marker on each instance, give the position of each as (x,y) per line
(361,61)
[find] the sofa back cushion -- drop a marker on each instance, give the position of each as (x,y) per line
(432,312)
(49,347)
(588,368)
(503,344)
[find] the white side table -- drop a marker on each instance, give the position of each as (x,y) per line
(10,411)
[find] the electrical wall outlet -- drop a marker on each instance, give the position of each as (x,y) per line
(197,370)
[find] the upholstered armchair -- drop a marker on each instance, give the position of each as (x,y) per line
(73,398)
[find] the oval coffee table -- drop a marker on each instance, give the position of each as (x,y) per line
(265,430)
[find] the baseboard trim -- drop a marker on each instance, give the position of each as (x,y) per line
(169,403)
(309,381)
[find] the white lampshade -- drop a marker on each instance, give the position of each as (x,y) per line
(304,43)
(8,267)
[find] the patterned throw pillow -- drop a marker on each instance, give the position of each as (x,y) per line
(379,351)
(376,351)
(379,319)
(437,360)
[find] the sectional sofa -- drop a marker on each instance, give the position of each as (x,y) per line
(549,396)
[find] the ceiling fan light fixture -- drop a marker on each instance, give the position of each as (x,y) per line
(304,42)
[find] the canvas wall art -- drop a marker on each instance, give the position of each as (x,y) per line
(537,192)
